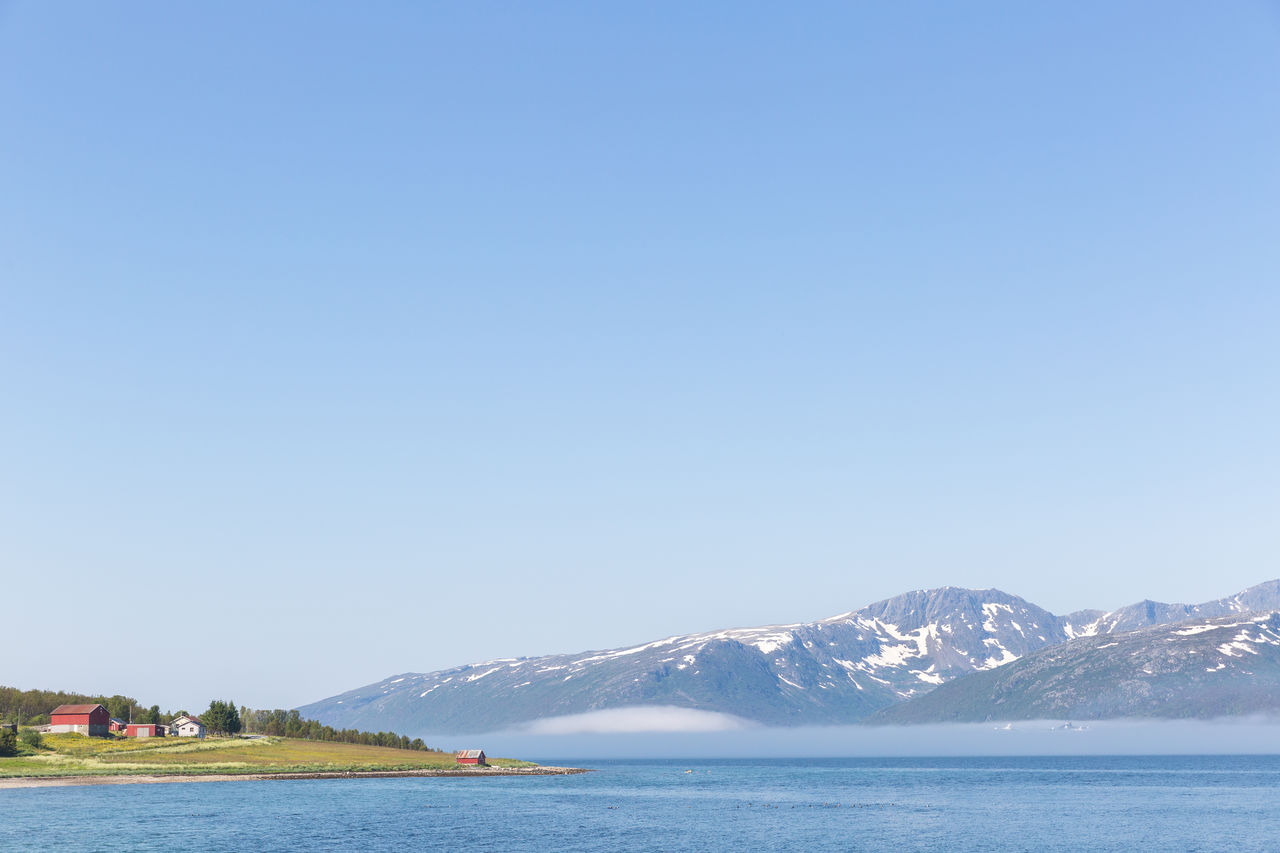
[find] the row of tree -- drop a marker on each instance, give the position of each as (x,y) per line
(292,724)
(32,707)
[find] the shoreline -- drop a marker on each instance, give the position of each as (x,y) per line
(13,782)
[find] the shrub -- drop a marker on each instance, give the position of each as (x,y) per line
(8,743)
(31,738)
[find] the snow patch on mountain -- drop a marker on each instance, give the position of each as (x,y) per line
(1006,656)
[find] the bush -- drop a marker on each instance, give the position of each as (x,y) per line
(8,743)
(31,738)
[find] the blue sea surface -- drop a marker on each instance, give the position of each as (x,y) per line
(1183,803)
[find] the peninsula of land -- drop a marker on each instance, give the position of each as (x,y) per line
(75,759)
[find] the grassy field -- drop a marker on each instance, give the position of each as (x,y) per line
(77,755)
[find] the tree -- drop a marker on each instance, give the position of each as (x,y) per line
(215,718)
(8,743)
(119,707)
(222,717)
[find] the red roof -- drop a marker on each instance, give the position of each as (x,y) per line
(74,709)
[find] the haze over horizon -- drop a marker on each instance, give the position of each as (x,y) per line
(337,343)
(1031,737)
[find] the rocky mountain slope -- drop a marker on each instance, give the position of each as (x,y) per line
(1200,668)
(837,670)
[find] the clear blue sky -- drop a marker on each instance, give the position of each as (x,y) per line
(343,340)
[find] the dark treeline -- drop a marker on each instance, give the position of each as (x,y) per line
(291,724)
(32,707)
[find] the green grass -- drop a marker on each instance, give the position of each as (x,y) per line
(80,745)
(77,755)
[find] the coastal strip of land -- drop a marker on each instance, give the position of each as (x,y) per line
(75,759)
(152,779)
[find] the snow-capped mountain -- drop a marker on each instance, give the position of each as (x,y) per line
(1264,596)
(1202,668)
(836,670)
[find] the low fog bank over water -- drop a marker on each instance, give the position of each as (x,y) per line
(659,733)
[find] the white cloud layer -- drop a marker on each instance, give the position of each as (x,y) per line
(665,719)
(637,733)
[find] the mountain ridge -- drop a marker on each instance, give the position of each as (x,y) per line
(1203,667)
(841,669)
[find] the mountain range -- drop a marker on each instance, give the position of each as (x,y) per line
(997,656)
(1202,668)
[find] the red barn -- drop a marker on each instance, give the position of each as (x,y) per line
(471,756)
(92,720)
(144,730)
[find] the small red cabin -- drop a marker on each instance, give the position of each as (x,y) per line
(144,730)
(93,720)
(117,725)
(471,756)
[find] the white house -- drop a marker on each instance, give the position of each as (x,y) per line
(185,726)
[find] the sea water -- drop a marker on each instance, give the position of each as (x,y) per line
(1202,803)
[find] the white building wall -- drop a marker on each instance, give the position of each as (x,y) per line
(93,730)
